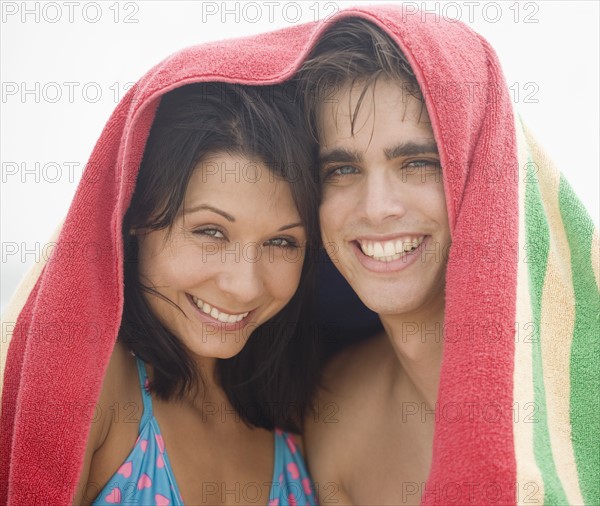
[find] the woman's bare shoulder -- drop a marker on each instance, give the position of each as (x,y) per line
(116,390)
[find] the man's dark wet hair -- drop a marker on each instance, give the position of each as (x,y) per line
(353,51)
(270,382)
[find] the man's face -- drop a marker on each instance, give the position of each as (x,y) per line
(383,212)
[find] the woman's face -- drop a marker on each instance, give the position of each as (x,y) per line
(231,260)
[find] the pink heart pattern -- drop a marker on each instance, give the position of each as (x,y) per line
(291,444)
(161,500)
(160,443)
(144,482)
(293,470)
(306,486)
(125,469)
(114,497)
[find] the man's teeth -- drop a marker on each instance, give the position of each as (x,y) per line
(386,251)
(205,307)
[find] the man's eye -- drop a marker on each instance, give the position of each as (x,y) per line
(422,164)
(346,169)
(421,171)
(341,170)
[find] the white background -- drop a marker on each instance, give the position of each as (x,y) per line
(548,49)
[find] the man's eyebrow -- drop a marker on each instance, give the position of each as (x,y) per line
(411,149)
(339,155)
(206,207)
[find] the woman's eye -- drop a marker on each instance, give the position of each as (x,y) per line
(210,232)
(282,242)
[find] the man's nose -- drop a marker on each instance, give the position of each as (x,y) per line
(381,197)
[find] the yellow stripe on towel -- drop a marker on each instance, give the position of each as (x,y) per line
(530,485)
(556,328)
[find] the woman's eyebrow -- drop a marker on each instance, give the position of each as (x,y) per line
(291,225)
(206,207)
(228,217)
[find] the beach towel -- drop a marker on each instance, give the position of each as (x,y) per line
(517,418)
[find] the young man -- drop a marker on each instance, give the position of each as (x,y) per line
(427,228)
(483,389)
(384,209)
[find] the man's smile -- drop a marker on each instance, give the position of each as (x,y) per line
(390,249)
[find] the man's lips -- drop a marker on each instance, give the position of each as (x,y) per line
(389,248)
(393,254)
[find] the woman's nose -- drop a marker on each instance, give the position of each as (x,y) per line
(241,278)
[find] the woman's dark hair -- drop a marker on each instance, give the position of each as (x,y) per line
(270,382)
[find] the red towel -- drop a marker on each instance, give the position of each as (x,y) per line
(67,329)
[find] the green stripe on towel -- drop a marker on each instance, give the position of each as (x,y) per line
(538,244)
(585,349)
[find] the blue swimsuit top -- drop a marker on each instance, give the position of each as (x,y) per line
(146,476)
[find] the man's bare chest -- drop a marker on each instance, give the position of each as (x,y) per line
(391,463)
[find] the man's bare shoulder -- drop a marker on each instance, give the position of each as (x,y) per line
(352,388)
(348,388)
(357,370)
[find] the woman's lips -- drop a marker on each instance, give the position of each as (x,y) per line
(208,318)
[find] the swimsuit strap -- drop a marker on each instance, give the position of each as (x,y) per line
(146,398)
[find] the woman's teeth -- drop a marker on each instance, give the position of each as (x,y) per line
(205,307)
(387,251)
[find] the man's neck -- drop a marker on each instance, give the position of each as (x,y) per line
(417,340)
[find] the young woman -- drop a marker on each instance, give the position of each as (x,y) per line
(199,281)
(217,291)
(218,276)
